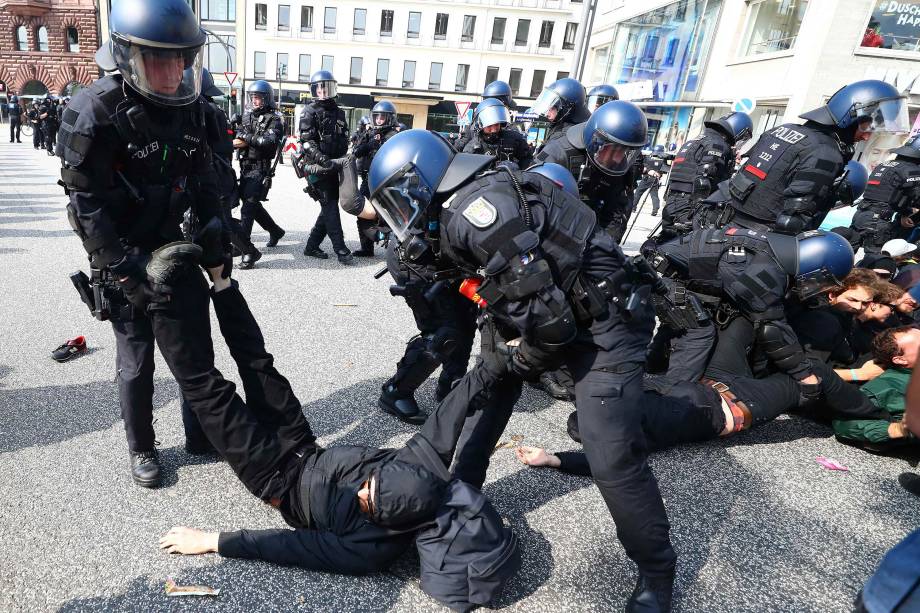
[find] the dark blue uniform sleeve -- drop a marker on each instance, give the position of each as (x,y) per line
(574,463)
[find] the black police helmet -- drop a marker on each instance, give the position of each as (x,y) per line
(323,85)
(207,85)
(14,99)
(910,149)
(600,95)
(614,135)
(385,110)
(262,89)
(737,126)
(816,260)
(499,90)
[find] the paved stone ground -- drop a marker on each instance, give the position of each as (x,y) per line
(757,523)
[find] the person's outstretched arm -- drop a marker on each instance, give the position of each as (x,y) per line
(571,462)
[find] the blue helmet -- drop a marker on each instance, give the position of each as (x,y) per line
(500,91)
(737,126)
(560,99)
(816,260)
(156,45)
(558,174)
(851,184)
(910,149)
(614,136)
(386,111)
(490,112)
(874,106)
(323,85)
(408,171)
(262,90)
(14,99)
(600,95)
(207,85)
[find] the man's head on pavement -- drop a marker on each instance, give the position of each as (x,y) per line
(897,347)
(399,494)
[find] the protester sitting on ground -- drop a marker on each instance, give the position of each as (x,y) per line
(906,310)
(878,315)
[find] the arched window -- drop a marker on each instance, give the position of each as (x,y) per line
(41,38)
(73,40)
(22,39)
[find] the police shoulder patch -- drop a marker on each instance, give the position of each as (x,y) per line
(481,213)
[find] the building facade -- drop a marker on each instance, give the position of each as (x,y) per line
(46,46)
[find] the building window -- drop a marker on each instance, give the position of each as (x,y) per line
(383,72)
(491,74)
(281,67)
(523,28)
(546,34)
(258,70)
(73,40)
(773,26)
(218,10)
(571,29)
(354,76)
(469,28)
(891,28)
(303,71)
(463,73)
(434,81)
(22,39)
(360,21)
(284,17)
(261,16)
(539,76)
(306,19)
(386,23)
(219,51)
(328,62)
(415,23)
(498,31)
(41,38)
(329,20)
(440,26)
(562,74)
(408,74)
(670,53)
(514,80)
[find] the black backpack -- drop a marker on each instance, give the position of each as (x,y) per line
(466,553)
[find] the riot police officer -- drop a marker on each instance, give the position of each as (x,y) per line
(496,90)
(324,136)
(546,275)
(563,105)
(892,195)
(699,166)
(15,111)
(135,153)
(599,95)
(34,116)
(49,119)
(491,135)
(258,139)
(786,183)
(381,126)
(654,168)
(605,186)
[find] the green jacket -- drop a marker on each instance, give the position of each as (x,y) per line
(886,392)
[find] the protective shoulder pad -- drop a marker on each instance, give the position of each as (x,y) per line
(89,111)
(576,135)
(461,168)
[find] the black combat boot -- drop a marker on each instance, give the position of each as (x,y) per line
(345,257)
(651,595)
(402,406)
(274,237)
(315,252)
(550,384)
(145,468)
(249,259)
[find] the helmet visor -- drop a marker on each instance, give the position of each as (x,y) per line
(811,284)
(398,202)
(493,115)
(258,100)
(322,90)
(884,116)
(382,119)
(548,104)
(171,77)
(598,100)
(610,157)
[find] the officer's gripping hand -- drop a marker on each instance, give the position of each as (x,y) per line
(138,289)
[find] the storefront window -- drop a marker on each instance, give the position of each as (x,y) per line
(894,25)
(773,25)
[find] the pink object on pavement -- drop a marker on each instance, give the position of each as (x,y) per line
(831,464)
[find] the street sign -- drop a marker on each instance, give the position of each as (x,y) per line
(744,105)
(462,108)
(231,77)
(290,143)
(467,118)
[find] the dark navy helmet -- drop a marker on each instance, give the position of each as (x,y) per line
(658,150)
(559,99)
(816,260)
(558,174)
(14,99)
(491,112)
(499,90)
(910,149)
(157,46)
(408,171)
(851,184)
(207,85)
(260,95)
(614,135)
(737,126)
(874,106)
(383,114)
(323,85)
(600,95)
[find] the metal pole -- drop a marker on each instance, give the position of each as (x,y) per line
(581,53)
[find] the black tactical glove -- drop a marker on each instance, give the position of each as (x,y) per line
(522,367)
(809,392)
(321,158)
(132,279)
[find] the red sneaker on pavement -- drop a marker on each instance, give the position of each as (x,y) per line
(70,349)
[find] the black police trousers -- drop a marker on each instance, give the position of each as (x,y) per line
(328,222)
(606,361)
(38,137)
(252,210)
(650,185)
(50,133)
(15,129)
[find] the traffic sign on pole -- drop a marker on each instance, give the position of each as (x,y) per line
(744,105)
(231,77)
(462,108)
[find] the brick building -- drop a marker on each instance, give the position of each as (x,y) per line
(47,46)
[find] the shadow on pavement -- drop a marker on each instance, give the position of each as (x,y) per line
(296,260)
(8,233)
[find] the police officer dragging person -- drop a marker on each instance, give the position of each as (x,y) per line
(258,140)
(600,154)
(496,90)
(698,167)
(549,277)
(562,103)
(136,155)
(324,136)
(599,95)
(15,112)
(492,136)
(787,182)
(654,168)
(34,117)
(891,200)
(367,140)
